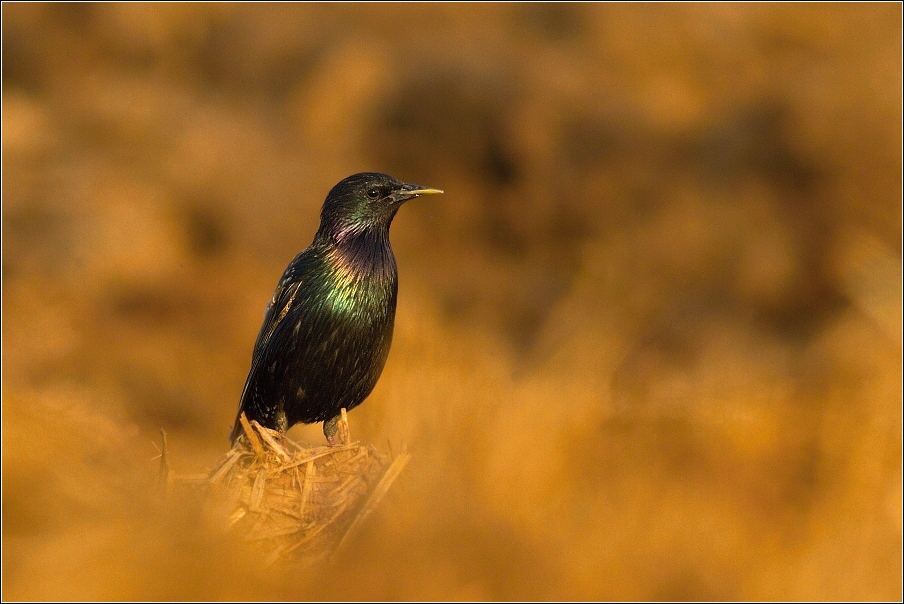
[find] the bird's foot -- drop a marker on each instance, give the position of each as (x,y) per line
(336,430)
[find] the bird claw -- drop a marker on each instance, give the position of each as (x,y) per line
(336,430)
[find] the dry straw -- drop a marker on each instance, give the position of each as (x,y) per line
(295,504)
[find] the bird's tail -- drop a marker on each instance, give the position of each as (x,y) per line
(237,429)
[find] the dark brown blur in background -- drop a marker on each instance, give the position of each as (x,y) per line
(648,344)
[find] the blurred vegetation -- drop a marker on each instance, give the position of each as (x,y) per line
(648,344)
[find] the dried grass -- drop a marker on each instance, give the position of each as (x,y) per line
(295,504)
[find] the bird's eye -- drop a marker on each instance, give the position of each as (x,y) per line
(373,192)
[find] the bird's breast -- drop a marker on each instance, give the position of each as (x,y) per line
(361,301)
(361,287)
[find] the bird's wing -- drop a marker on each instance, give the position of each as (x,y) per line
(284,299)
(277,309)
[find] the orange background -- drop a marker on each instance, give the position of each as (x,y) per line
(648,344)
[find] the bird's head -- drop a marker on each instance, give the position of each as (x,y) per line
(365,202)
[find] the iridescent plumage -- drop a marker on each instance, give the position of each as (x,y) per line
(328,328)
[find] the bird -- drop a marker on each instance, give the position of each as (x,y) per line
(328,328)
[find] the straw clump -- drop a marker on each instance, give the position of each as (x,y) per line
(296,504)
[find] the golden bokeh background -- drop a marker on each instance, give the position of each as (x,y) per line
(648,344)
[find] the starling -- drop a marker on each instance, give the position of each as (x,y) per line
(327,330)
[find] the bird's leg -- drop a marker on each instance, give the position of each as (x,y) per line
(336,430)
(330,428)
